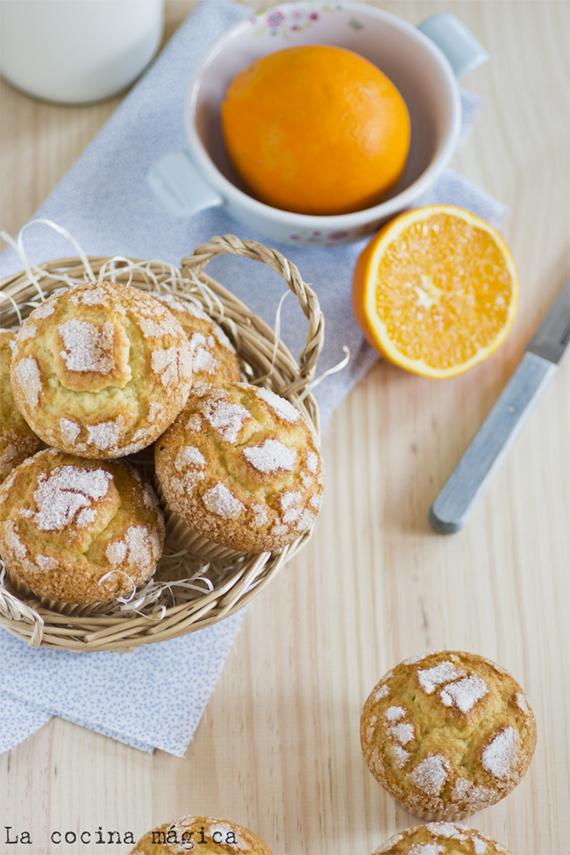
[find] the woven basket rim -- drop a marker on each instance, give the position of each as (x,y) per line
(255,340)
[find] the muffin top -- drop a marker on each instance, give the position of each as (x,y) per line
(214,359)
(208,836)
(441,838)
(78,531)
(101,370)
(17,441)
(448,734)
(241,467)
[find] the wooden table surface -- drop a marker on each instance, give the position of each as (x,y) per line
(278,747)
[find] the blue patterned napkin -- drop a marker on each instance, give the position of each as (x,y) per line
(151,698)
(154,697)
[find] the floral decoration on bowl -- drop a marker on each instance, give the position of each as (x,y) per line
(333,238)
(291,22)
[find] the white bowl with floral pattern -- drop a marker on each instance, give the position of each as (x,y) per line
(424,62)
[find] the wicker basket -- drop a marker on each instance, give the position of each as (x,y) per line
(175,606)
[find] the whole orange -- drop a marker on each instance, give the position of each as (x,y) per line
(316,130)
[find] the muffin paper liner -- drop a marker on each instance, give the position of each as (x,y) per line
(55,605)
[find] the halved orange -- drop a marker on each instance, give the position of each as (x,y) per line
(436,290)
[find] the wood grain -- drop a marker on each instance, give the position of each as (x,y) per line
(278,746)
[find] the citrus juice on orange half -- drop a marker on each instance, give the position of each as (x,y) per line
(436,291)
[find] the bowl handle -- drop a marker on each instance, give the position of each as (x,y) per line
(455,41)
(308,301)
(179,187)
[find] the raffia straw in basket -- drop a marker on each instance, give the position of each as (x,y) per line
(185,595)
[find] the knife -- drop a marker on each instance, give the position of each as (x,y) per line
(545,350)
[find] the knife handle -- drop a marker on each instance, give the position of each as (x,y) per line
(449,511)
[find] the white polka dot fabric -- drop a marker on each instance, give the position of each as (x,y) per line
(18,720)
(151,698)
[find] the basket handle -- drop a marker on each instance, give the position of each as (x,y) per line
(289,272)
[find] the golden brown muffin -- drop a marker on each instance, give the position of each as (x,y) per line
(214,359)
(16,439)
(441,838)
(448,734)
(101,370)
(240,470)
(203,835)
(78,532)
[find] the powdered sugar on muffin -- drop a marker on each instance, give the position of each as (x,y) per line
(17,440)
(106,370)
(200,833)
(440,838)
(214,359)
(448,734)
(78,532)
(240,467)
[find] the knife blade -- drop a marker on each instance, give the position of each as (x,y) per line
(543,354)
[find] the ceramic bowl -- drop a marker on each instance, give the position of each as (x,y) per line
(424,62)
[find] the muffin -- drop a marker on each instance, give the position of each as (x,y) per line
(441,838)
(448,734)
(240,472)
(214,359)
(209,836)
(77,533)
(16,439)
(101,370)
